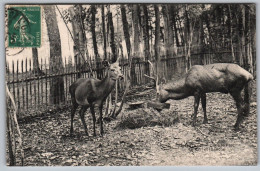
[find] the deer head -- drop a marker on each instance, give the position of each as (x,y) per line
(114,70)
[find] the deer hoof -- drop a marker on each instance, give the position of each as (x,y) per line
(71,133)
(205,121)
(98,121)
(236,127)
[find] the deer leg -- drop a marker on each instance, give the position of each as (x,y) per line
(101,119)
(196,105)
(82,117)
(203,102)
(247,93)
(73,110)
(94,119)
(239,103)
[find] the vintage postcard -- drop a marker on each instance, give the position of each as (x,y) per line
(131,84)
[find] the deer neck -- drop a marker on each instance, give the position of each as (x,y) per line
(174,90)
(107,84)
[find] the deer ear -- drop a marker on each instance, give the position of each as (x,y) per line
(106,63)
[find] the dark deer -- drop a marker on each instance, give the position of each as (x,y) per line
(91,92)
(202,79)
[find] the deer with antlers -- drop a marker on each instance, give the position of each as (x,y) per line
(201,79)
(91,92)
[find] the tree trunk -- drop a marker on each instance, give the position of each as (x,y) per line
(188,38)
(172,10)
(104,32)
(36,69)
(136,31)
(56,67)
(243,39)
(248,57)
(79,38)
(158,64)
(202,44)
(172,47)
(146,38)
(157,33)
(94,41)
(112,36)
(207,21)
(11,141)
(93,32)
(13,131)
(166,31)
(231,34)
(126,30)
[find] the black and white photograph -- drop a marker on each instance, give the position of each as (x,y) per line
(137,84)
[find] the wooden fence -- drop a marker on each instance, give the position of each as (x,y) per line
(32,93)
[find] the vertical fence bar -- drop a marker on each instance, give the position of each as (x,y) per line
(35,93)
(70,70)
(13,80)
(26,83)
(30,83)
(50,82)
(22,82)
(139,73)
(17,78)
(42,86)
(7,72)
(75,69)
(65,75)
(38,88)
(46,83)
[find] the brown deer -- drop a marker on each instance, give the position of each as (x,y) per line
(91,92)
(202,79)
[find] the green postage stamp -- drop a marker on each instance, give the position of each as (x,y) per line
(24,26)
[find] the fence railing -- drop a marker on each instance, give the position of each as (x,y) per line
(32,93)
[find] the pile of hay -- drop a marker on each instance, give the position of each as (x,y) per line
(145,117)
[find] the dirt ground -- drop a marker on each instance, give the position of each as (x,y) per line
(47,141)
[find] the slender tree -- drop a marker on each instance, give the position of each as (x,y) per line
(168,31)
(79,37)
(112,35)
(158,64)
(125,29)
(146,37)
(93,11)
(231,33)
(57,83)
(93,31)
(136,31)
(104,31)
(174,23)
(36,68)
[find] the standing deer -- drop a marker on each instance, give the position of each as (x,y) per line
(202,79)
(88,92)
